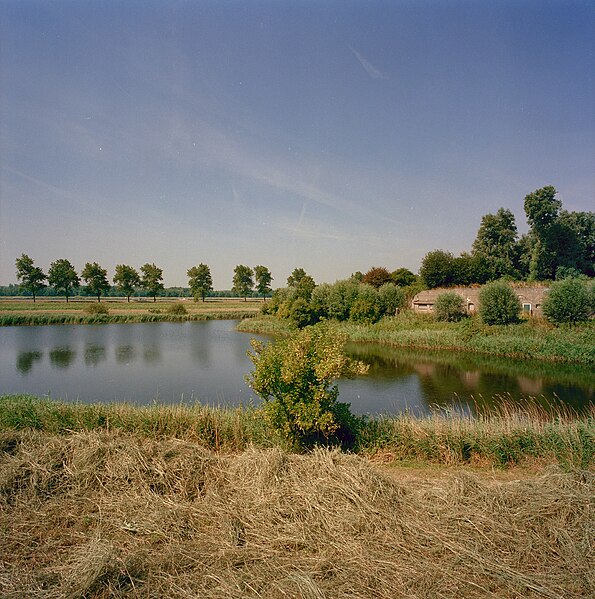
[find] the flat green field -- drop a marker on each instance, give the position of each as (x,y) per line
(56,311)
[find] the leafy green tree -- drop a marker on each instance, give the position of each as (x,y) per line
(367,307)
(582,225)
(96,279)
(437,269)
(62,276)
(243,281)
(449,307)
(391,298)
(403,277)
(301,313)
(497,243)
(295,378)
(377,276)
(499,304)
(126,279)
(32,277)
(295,277)
(470,269)
(151,279)
(263,278)
(200,281)
(549,237)
(568,301)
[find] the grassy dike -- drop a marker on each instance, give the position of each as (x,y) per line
(533,339)
(191,501)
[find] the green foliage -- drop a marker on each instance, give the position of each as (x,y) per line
(263,280)
(402,277)
(366,308)
(200,281)
(295,377)
(497,243)
(300,313)
(295,277)
(437,269)
(449,307)
(177,309)
(151,279)
(582,225)
(97,309)
(96,279)
(32,277)
(568,301)
(63,277)
(377,276)
(499,304)
(243,281)
(391,298)
(126,279)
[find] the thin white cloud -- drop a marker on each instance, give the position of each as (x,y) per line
(368,66)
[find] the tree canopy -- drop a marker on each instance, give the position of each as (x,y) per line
(263,280)
(151,279)
(126,279)
(243,281)
(200,281)
(32,277)
(62,276)
(377,276)
(96,279)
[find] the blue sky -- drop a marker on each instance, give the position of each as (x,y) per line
(333,136)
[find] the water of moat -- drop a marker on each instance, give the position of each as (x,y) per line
(207,362)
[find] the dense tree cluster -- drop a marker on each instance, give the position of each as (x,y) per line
(305,303)
(558,244)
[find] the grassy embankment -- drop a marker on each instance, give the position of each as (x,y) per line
(115,501)
(76,311)
(533,339)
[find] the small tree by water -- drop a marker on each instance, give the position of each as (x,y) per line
(295,378)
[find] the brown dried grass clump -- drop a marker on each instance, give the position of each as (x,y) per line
(116,515)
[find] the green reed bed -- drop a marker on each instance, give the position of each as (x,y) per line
(527,340)
(83,318)
(509,436)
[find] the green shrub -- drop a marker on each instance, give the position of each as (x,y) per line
(97,309)
(177,309)
(295,377)
(391,298)
(449,307)
(300,313)
(568,301)
(499,304)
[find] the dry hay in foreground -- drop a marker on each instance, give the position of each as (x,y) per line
(110,515)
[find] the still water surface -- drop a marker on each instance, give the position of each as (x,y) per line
(207,361)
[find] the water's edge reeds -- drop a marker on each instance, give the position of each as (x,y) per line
(529,340)
(507,437)
(83,318)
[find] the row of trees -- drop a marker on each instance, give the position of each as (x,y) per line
(63,277)
(558,244)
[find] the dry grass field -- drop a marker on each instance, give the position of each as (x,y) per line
(110,514)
